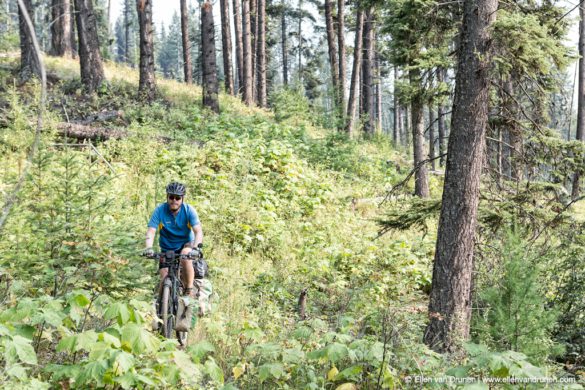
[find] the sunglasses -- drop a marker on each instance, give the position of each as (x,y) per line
(175,197)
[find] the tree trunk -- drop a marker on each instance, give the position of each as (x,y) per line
(432,137)
(299,36)
(210,86)
(73,29)
(128,57)
(421,183)
(61,28)
(341,47)
(226,41)
(406,128)
(90,58)
(450,300)
(396,116)
(187,67)
(239,45)
(146,84)
(441,115)
(284,43)
(580,136)
(357,62)
(333,60)
(367,79)
(261,54)
(248,96)
(29,64)
(378,82)
(253,37)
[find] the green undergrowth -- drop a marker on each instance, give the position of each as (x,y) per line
(285,206)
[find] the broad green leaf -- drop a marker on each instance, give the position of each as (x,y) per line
(199,350)
(109,339)
(67,344)
(184,362)
(139,339)
(123,361)
(214,371)
(274,370)
(292,356)
(62,371)
(350,373)
(336,351)
(475,349)
(80,299)
(92,373)
(86,340)
(120,311)
(17,371)
(145,379)
(459,372)
(127,381)
(24,350)
(302,333)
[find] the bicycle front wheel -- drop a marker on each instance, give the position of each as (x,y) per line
(167,315)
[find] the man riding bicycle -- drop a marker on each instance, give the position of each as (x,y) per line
(179,231)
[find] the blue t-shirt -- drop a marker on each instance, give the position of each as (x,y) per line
(174,230)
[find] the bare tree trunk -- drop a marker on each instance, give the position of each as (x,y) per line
(90,58)
(378,92)
(341,47)
(73,30)
(300,37)
(450,300)
(253,37)
(407,132)
(146,84)
(210,85)
(187,67)
(441,115)
(261,53)
(332,45)
(284,43)
(239,45)
(61,28)
(226,41)
(397,116)
(421,183)
(432,137)
(248,96)
(580,136)
(367,68)
(29,65)
(129,59)
(357,62)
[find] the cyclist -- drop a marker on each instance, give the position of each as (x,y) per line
(179,230)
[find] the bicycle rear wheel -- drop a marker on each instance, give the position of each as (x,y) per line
(167,315)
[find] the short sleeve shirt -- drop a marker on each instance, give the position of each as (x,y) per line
(174,230)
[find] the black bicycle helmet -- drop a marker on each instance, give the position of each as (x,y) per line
(175,188)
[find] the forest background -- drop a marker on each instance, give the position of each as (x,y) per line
(319,165)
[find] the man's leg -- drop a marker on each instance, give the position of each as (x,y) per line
(163,272)
(187,272)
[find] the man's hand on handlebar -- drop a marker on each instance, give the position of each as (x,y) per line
(148,252)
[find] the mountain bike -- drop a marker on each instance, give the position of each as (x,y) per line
(172,289)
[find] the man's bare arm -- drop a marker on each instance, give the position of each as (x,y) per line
(150,232)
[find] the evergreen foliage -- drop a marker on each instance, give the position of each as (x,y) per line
(513,312)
